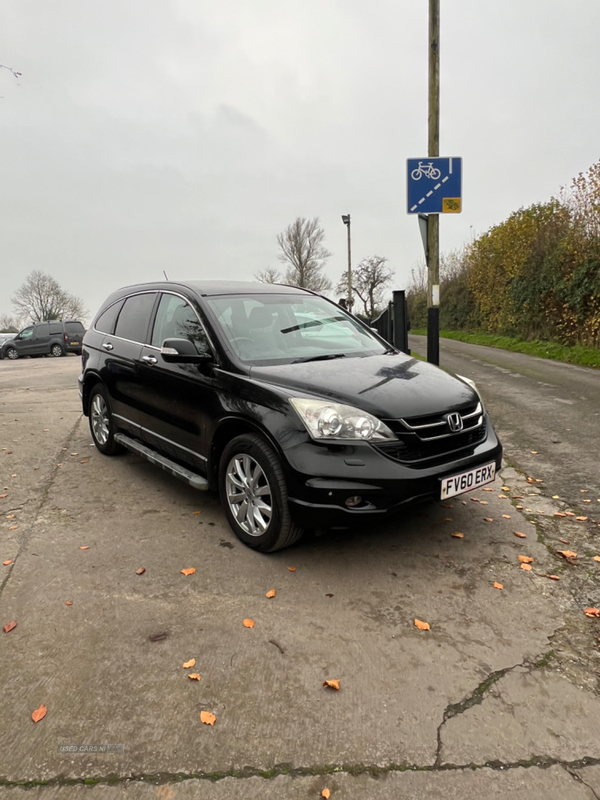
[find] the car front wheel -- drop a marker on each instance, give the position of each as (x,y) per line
(254,495)
(102,426)
(11,353)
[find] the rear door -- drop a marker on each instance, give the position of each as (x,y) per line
(121,359)
(74,332)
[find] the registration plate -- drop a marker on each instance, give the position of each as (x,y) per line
(465,481)
(73,342)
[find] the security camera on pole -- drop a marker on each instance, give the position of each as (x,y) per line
(434,187)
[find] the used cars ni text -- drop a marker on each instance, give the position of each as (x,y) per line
(297,413)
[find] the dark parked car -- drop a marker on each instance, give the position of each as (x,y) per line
(297,413)
(55,338)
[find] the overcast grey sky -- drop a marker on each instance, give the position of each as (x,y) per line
(185,134)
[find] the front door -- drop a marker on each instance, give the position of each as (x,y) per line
(176,396)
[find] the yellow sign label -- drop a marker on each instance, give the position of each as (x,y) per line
(451,205)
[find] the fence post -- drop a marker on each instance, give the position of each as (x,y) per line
(400,321)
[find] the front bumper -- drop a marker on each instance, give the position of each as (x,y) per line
(321,477)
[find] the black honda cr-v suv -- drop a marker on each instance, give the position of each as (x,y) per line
(297,413)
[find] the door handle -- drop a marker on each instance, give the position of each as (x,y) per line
(150,359)
(107,346)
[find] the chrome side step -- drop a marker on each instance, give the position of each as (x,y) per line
(194,480)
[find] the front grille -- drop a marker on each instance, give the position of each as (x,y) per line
(423,440)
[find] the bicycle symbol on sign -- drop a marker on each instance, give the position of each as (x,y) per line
(429,171)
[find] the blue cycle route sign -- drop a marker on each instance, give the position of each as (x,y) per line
(434,185)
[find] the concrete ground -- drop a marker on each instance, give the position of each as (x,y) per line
(498,699)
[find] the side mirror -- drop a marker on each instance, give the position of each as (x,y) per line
(182,351)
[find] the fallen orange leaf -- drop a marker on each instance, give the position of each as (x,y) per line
(596,558)
(581,519)
(458,535)
(39,713)
(326,794)
(592,612)
(559,514)
(569,514)
(270,593)
(10,626)
(520,535)
(506,488)
(526,566)
(487,489)
(248,623)
(567,554)
(188,571)
(498,585)
(483,503)
(207,718)
(422,626)
(140,571)
(193,676)
(291,569)
(333,684)
(502,497)
(474,499)
(68,602)
(2,496)
(488,519)
(195,513)
(190,663)
(13,527)
(525,559)
(506,516)
(85,547)
(553,577)
(447,519)
(564,541)
(6,563)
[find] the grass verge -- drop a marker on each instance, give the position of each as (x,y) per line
(583,356)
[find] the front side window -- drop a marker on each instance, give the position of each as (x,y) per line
(41,331)
(26,334)
(288,328)
(134,318)
(176,319)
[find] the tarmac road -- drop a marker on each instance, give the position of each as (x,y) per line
(498,699)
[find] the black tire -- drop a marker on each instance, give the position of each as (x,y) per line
(264,530)
(11,353)
(102,426)
(57,350)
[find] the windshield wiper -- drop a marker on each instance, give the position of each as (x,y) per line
(319,358)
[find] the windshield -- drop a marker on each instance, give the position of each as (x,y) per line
(282,329)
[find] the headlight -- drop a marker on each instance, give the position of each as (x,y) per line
(473,386)
(325,420)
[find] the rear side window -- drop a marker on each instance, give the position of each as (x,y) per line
(73,327)
(135,317)
(106,322)
(42,330)
(55,327)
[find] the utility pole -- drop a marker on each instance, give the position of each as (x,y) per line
(433,222)
(346,221)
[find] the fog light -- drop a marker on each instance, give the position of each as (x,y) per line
(355,500)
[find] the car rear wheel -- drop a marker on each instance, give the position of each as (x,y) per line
(11,353)
(57,351)
(254,495)
(102,425)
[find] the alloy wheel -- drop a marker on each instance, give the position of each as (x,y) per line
(100,419)
(249,494)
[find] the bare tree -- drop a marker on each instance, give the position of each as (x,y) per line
(9,324)
(369,280)
(303,253)
(268,275)
(41,298)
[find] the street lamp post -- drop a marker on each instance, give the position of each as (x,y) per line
(346,221)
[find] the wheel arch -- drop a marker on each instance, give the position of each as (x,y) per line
(227,430)
(90,381)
